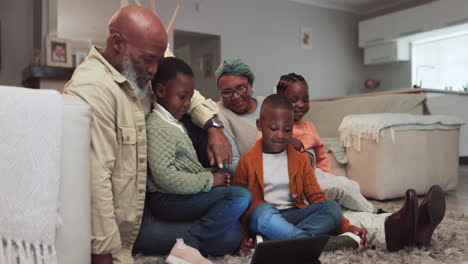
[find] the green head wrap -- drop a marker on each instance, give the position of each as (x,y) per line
(234,67)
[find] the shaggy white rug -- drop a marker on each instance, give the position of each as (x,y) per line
(449,245)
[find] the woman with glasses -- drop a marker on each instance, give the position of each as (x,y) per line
(239,108)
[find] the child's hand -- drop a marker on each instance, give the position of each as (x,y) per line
(246,245)
(297,144)
(221,179)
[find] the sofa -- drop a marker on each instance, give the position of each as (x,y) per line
(398,161)
(73,237)
(73,234)
(328,114)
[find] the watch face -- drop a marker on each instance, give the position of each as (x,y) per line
(217,123)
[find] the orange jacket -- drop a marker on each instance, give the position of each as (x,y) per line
(307,134)
(302,181)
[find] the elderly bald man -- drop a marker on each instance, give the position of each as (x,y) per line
(115,82)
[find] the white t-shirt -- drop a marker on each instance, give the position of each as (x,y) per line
(276,180)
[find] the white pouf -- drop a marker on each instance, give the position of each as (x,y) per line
(390,153)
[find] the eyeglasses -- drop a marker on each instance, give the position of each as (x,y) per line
(239,90)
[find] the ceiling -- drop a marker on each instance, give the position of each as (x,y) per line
(356,6)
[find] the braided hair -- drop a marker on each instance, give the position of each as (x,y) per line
(286,80)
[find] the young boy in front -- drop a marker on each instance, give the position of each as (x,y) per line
(180,189)
(280,178)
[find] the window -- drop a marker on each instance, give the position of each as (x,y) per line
(441,64)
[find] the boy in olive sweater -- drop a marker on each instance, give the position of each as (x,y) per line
(180,189)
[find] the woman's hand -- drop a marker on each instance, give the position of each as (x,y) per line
(361,233)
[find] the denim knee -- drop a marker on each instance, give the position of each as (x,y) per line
(241,195)
(260,215)
(228,243)
(334,210)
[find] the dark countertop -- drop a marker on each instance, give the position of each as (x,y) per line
(33,73)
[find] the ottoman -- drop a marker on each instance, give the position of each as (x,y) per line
(390,153)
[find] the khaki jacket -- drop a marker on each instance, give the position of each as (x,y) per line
(118,152)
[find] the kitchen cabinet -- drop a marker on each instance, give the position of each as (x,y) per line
(386,53)
(413,21)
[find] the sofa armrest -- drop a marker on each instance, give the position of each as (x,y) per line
(74,236)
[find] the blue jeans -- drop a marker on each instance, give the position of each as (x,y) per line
(157,237)
(215,215)
(316,219)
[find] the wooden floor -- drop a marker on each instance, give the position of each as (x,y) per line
(458,200)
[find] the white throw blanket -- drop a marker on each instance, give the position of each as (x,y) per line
(355,127)
(30,167)
(333,145)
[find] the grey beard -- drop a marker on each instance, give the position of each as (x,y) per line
(129,72)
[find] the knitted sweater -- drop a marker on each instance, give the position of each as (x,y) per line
(173,161)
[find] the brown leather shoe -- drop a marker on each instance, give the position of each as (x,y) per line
(400,227)
(430,214)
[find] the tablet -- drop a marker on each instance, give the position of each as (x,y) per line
(298,251)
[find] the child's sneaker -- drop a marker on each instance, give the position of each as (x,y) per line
(183,254)
(258,239)
(343,241)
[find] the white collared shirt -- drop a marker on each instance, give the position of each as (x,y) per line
(166,116)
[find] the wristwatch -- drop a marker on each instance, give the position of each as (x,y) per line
(215,122)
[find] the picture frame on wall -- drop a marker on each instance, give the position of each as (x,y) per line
(305,38)
(58,52)
(79,57)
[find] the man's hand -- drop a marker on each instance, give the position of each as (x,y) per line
(362,234)
(246,245)
(297,144)
(219,148)
(221,179)
(101,259)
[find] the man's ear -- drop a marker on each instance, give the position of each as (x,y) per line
(119,45)
(160,90)
(259,125)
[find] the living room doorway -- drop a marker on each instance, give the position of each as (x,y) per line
(203,53)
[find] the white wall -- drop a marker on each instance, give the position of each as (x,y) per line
(84,19)
(265,33)
(16,17)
